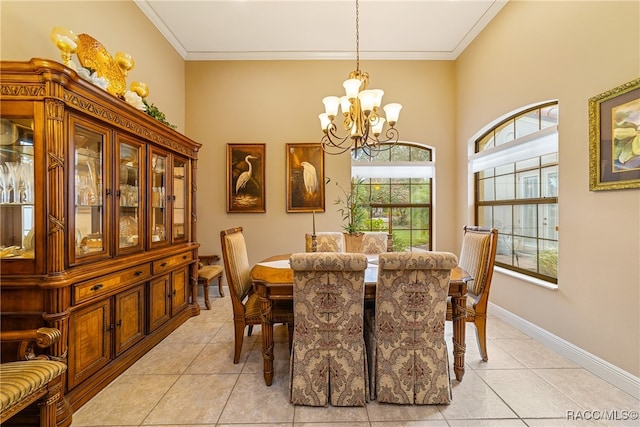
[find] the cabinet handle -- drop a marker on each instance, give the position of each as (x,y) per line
(138,273)
(96,287)
(184,257)
(119,323)
(108,191)
(118,193)
(164,264)
(174,292)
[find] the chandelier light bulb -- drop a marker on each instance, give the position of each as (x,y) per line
(367,99)
(378,99)
(392,112)
(376,127)
(345,106)
(331,104)
(325,122)
(352,87)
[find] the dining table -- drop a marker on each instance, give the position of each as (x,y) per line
(272,280)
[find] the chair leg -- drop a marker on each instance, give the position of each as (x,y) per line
(481,335)
(220,285)
(207,303)
(250,330)
(238,327)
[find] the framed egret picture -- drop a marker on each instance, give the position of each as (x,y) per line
(614,138)
(246,178)
(305,177)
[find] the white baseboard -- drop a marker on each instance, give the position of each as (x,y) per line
(603,369)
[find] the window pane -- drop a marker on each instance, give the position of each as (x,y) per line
(486,173)
(549,116)
(505,133)
(419,154)
(485,190)
(550,182)
(548,221)
(526,252)
(549,159)
(486,143)
(420,193)
(548,258)
(485,217)
(505,187)
(400,153)
(525,220)
(527,123)
(528,185)
(504,169)
(502,220)
(528,164)
(420,240)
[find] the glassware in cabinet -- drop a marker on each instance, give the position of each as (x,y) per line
(158,184)
(179,199)
(89,174)
(130,202)
(17,188)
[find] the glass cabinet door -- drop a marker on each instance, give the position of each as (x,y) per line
(89,218)
(158,184)
(17,190)
(179,200)
(129,199)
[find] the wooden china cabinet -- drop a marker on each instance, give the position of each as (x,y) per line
(97,223)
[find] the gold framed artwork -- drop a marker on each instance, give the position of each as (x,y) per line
(614,138)
(246,178)
(305,177)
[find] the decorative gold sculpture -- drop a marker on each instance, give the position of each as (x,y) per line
(93,55)
(67,42)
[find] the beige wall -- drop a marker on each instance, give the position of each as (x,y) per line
(532,51)
(570,51)
(278,102)
(117,25)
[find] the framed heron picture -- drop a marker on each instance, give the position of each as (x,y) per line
(246,178)
(305,177)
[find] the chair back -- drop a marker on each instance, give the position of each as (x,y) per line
(376,242)
(328,361)
(236,264)
(477,257)
(411,358)
(327,241)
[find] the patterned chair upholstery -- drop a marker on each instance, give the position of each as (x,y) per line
(376,242)
(477,257)
(327,241)
(32,378)
(410,359)
(246,304)
(328,358)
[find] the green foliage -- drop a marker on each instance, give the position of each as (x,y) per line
(549,262)
(353,206)
(154,112)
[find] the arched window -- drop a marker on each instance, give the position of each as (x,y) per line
(396,190)
(515,168)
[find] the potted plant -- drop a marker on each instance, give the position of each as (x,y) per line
(352,207)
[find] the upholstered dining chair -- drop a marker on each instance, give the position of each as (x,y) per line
(246,304)
(408,350)
(327,241)
(328,359)
(376,242)
(477,257)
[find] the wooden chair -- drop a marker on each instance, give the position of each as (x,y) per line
(207,273)
(246,304)
(328,359)
(477,257)
(410,358)
(32,378)
(325,241)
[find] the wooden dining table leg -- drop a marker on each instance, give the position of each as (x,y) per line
(267,339)
(459,314)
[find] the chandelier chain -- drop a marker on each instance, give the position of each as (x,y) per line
(357,36)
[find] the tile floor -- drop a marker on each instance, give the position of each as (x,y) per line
(189,380)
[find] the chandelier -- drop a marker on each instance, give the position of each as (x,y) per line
(363,122)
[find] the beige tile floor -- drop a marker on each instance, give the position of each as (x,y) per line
(189,380)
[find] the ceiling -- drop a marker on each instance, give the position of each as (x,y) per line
(319,29)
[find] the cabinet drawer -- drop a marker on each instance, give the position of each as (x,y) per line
(104,284)
(168,263)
